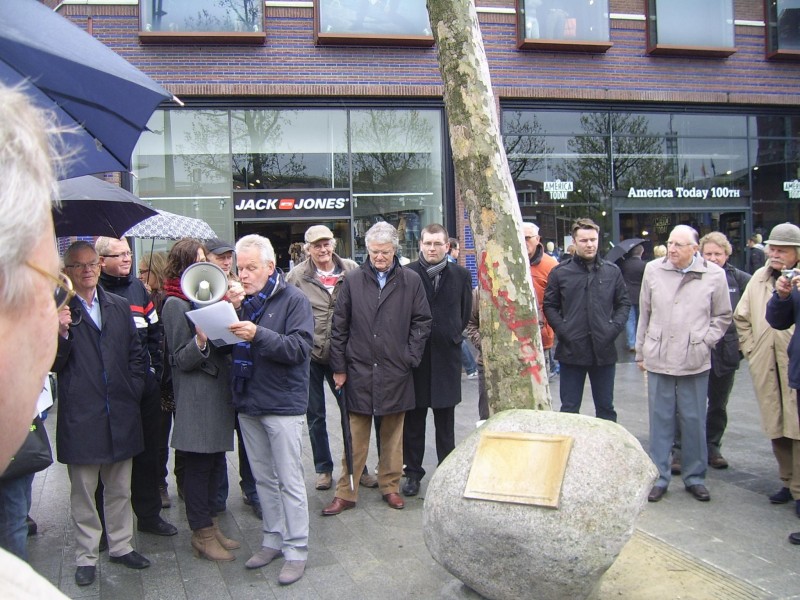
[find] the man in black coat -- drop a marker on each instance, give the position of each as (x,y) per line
(632,272)
(437,378)
(586,303)
(101,368)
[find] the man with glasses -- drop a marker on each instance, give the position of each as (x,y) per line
(117,277)
(437,378)
(685,309)
(101,369)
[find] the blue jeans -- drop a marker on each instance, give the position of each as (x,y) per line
(315,415)
(15,502)
(630,326)
(601,378)
(467,360)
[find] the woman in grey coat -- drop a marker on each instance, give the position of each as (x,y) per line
(203,428)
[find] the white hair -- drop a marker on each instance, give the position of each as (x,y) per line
(382,233)
(31,153)
(532,226)
(260,243)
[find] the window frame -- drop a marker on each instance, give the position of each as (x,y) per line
(772,47)
(231,38)
(655,48)
(366,39)
(550,45)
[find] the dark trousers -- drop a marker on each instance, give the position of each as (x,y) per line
(163,447)
(483,398)
(315,416)
(247,482)
(200,486)
(601,378)
(414,437)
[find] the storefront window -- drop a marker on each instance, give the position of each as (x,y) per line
(209,21)
(690,27)
(563,24)
(372,22)
(783,29)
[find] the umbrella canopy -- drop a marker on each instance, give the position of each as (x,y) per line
(622,249)
(87,85)
(91,206)
(168,226)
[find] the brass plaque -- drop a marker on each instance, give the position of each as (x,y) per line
(523,468)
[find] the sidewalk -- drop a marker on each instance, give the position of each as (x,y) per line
(732,547)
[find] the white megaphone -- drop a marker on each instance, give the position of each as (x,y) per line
(204,283)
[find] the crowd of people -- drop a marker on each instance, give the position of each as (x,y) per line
(136,376)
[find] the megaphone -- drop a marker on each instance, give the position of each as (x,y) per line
(204,283)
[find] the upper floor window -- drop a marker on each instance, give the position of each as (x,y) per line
(783,29)
(201,21)
(690,27)
(571,25)
(372,22)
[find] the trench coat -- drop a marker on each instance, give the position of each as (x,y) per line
(765,349)
(378,336)
(437,379)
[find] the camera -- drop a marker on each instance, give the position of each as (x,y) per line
(790,273)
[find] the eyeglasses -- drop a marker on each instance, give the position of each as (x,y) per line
(677,244)
(126,254)
(433,244)
(63,292)
(83,266)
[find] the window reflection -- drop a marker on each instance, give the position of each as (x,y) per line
(567,20)
(689,23)
(201,15)
(374,17)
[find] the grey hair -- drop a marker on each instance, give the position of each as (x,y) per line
(533,226)
(382,233)
(76,247)
(260,243)
(31,154)
(103,244)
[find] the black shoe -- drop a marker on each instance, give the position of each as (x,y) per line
(103,546)
(32,527)
(85,575)
(657,493)
(157,527)
(256,506)
(132,560)
(797,507)
(794,538)
(699,491)
(782,496)
(411,486)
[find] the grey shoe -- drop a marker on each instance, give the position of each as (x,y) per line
(262,558)
(368,481)
(291,571)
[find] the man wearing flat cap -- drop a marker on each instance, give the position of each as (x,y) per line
(220,253)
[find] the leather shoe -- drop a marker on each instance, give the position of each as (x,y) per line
(159,527)
(700,492)
(782,496)
(394,500)
(717,462)
(338,505)
(85,575)
(411,486)
(656,494)
(794,538)
(675,466)
(132,560)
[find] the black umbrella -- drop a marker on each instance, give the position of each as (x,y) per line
(91,206)
(622,249)
(90,88)
(347,438)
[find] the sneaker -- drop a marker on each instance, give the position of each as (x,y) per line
(368,481)
(473,375)
(782,496)
(717,462)
(324,481)
(411,486)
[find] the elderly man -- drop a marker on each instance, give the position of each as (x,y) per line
(437,378)
(29,284)
(320,278)
(766,351)
(586,302)
(380,325)
(685,310)
(117,277)
(270,393)
(101,368)
(541,263)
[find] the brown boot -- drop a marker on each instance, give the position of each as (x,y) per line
(225,542)
(206,545)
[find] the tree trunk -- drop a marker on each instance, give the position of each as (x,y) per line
(511,341)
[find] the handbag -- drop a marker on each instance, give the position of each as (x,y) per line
(35,454)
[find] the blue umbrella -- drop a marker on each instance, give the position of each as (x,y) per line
(86,84)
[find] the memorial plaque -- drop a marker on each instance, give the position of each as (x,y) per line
(523,468)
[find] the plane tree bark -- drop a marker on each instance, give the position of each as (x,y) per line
(509,324)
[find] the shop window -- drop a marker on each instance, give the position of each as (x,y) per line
(201,21)
(690,27)
(783,29)
(565,25)
(372,22)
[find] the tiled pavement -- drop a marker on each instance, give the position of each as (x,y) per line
(376,552)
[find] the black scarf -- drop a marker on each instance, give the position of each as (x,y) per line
(433,271)
(252,309)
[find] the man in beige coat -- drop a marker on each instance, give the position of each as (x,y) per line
(765,349)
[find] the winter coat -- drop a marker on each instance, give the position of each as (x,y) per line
(378,336)
(725,355)
(201,382)
(437,379)
(100,383)
(541,265)
(473,328)
(766,349)
(783,314)
(632,272)
(681,316)
(587,305)
(755,259)
(281,355)
(304,276)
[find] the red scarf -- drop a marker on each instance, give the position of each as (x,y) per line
(172,287)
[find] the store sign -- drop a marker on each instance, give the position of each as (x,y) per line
(291,204)
(682,192)
(558,189)
(793,187)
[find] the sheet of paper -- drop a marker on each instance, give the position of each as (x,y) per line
(214,320)
(45,400)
